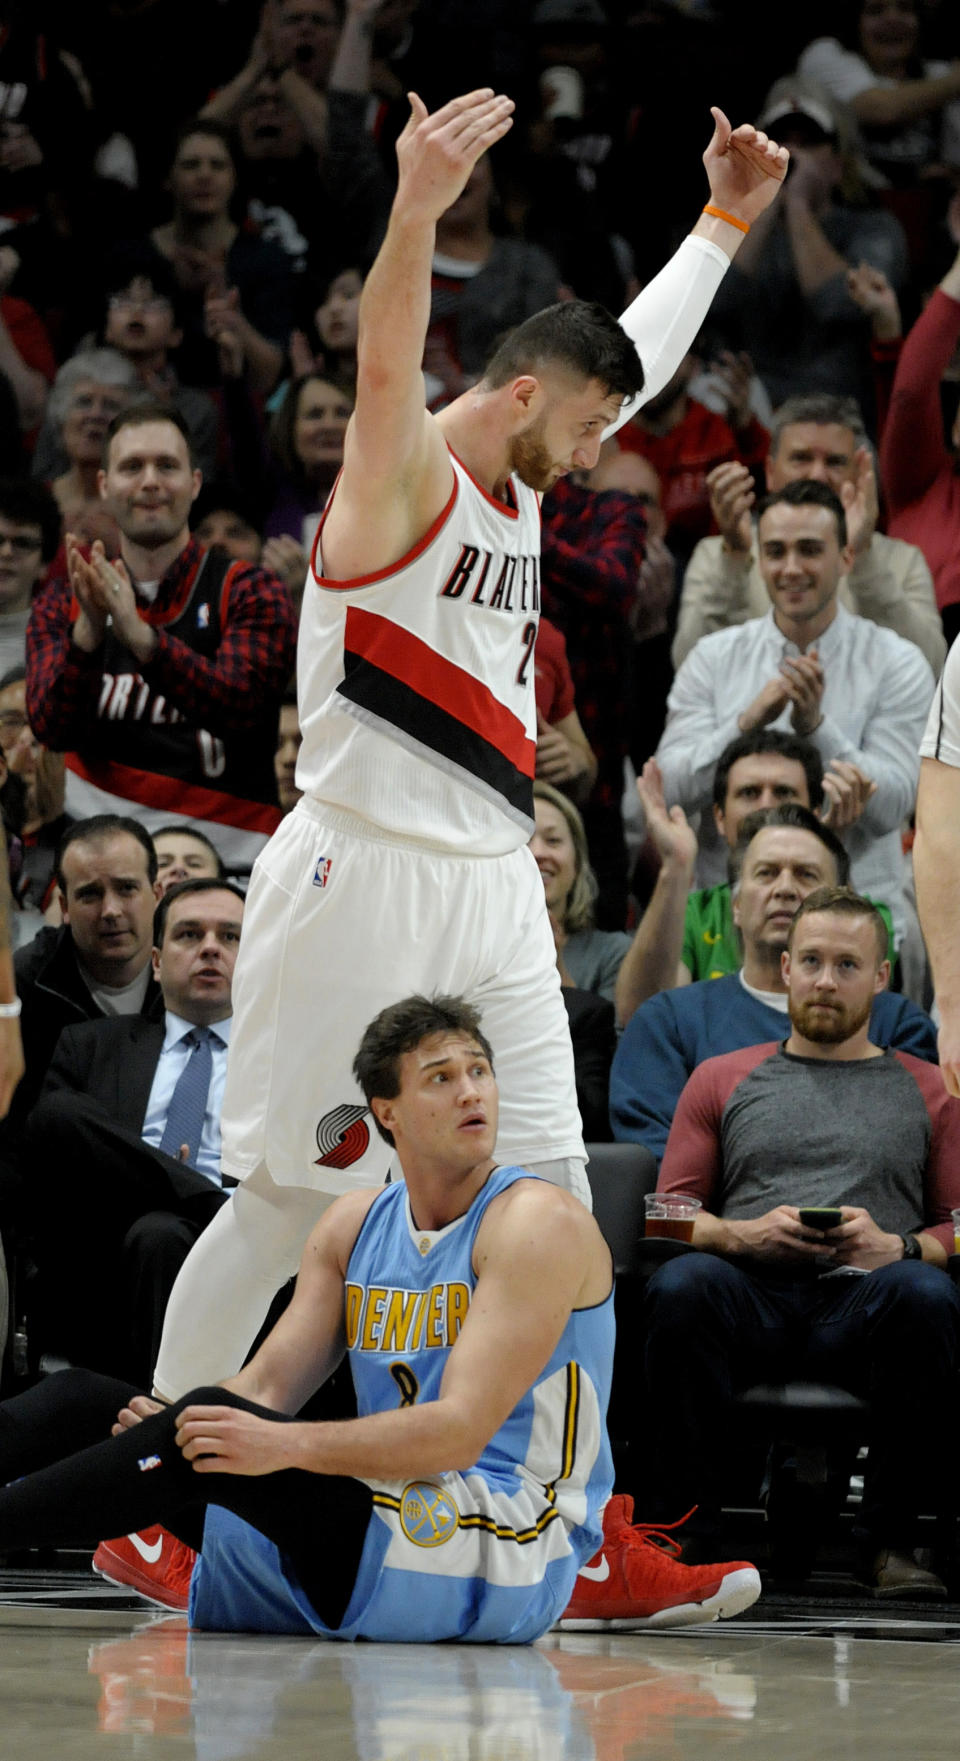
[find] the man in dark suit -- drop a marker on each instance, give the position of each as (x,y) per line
(124,1143)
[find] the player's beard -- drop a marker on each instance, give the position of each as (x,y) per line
(828,1029)
(530,459)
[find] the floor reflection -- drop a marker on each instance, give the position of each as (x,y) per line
(558,1702)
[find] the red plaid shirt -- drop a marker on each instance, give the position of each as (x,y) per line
(253,662)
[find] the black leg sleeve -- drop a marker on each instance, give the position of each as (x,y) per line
(116,1485)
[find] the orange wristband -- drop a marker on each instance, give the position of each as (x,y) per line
(731,219)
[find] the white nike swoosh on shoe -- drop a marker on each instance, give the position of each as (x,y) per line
(599,1572)
(150,1554)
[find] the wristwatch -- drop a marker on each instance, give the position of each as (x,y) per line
(911,1248)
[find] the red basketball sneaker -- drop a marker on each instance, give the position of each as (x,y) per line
(636,1580)
(154,1563)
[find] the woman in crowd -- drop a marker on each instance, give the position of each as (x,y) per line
(908,108)
(306,440)
(236,288)
(587,957)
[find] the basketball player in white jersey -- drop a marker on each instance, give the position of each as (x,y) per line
(404,866)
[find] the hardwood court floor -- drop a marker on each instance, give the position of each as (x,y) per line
(88,1672)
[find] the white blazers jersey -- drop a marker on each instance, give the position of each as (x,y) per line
(416,684)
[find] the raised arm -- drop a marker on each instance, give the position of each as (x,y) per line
(745,170)
(396,469)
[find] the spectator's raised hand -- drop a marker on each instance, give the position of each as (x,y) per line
(769,702)
(846,791)
(804,681)
(225,324)
(557,762)
(860,501)
(288,559)
(732,494)
(744,166)
(19,149)
(871,291)
(656,580)
(735,373)
(90,626)
(302,358)
(673,837)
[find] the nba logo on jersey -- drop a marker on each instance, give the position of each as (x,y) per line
(428,1515)
(203,616)
(322,871)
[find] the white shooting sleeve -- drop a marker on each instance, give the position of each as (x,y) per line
(665,318)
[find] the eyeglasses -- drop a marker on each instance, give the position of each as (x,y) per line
(121,302)
(19,543)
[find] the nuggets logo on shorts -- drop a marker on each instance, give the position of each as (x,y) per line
(428,1515)
(342,1137)
(321,873)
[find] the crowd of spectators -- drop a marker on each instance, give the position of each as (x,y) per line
(747,603)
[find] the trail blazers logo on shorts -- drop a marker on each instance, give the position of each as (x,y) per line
(342,1137)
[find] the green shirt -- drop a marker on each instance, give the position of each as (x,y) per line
(711,944)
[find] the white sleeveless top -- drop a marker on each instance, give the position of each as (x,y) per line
(416,684)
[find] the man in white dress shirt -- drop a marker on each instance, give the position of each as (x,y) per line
(859,692)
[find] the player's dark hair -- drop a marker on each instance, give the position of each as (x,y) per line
(96,830)
(807,492)
(843,902)
(201,883)
(797,818)
(190,831)
(578,336)
(760,741)
(139,414)
(399,1029)
(28,503)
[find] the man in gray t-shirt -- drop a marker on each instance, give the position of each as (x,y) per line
(825,1119)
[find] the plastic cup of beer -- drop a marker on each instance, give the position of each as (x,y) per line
(956,1231)
(671,1215)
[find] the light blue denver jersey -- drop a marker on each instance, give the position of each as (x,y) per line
(489,1555)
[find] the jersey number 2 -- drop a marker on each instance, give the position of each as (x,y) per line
(528,639)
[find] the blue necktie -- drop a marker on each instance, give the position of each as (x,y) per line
(188,1102)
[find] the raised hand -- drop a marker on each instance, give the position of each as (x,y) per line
(804,682)
(744,166)
(674,838)
(860,502)
(871,291)
(769,702)
(735,372)
(732,494)
(90,626)
(437,153)
(846,791)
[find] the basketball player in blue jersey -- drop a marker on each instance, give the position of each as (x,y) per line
(466,1500)
(404,867)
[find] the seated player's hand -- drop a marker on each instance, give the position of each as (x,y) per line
(227,1440)
(141,1407)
